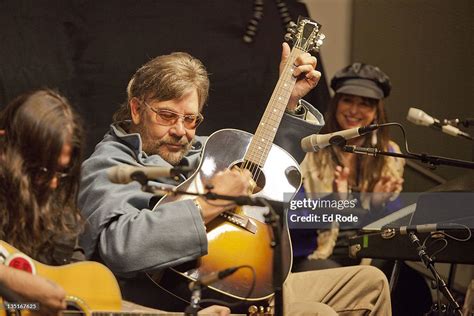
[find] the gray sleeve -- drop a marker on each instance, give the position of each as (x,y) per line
(293,128)
(149,240)
(121,228)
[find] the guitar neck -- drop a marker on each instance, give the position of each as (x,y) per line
(268,126)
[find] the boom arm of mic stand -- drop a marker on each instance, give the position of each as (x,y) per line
(432,160)
(238,200)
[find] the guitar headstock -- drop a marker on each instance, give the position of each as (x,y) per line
(305,35)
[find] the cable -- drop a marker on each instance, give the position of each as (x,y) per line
(403,132)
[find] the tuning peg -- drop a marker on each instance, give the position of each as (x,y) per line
(319,39)
(291,27)
(317,42)
(289,37)
(291,30)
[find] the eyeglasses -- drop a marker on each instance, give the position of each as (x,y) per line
(57,174)
(169,118)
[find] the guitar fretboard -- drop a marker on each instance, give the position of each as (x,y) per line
(263,139)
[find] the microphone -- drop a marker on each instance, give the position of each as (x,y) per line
(423,228)
(418,117)
(210,278)
(316,142)
(124,174)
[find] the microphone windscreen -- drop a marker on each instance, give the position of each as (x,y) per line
(120,174)
(307,144)
(418,117)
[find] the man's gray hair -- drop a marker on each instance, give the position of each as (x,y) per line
(166,78)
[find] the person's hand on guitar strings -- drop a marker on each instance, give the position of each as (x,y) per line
(305,72)
(233,182)
(50,296)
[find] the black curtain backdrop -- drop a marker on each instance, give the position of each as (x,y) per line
(88,50)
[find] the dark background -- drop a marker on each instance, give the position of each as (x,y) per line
(88,50)
(427,49)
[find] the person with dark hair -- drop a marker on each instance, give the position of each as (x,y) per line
(41,141)
(40,151)
(41,160)
(360,90)
(156,126)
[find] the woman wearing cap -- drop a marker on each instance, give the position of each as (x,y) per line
(360,90)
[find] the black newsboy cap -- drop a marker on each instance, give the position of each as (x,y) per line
(362,80)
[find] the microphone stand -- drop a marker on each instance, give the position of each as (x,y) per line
(429,263)
(272,218)
(425,158)
(432,160)
(238,200)
(193,307)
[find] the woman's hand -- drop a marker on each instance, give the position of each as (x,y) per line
(341,181)
(384,189)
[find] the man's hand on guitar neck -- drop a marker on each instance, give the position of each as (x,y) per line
(233,182)
(305,72)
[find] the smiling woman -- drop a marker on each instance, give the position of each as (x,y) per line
(360,90)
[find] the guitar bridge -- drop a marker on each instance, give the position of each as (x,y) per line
(239,220)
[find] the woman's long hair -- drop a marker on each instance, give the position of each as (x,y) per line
(370,168)
(34,217)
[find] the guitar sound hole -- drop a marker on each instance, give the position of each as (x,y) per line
(72,307)
(257,174)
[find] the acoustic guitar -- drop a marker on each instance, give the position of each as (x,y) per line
(89,285)
(91,288)
(240,237)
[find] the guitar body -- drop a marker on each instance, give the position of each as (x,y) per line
(241,237)
(89,285)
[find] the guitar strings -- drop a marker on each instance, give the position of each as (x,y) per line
(258,171)
(251,166)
